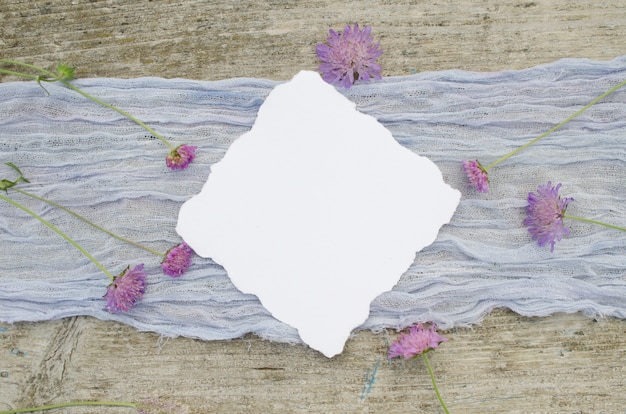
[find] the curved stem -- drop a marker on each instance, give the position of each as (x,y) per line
(432,378)
(38,79)
(26,65)
(71,404)
(78,216)
(126,114)
(54,77)
(586,220)
(551,130)
(60,233)
(21,75)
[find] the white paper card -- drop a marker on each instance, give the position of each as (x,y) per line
(317,210)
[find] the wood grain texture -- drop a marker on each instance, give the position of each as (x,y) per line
(507,364)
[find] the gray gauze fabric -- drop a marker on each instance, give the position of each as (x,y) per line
(103,166)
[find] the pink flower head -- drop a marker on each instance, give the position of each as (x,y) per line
(349,56)
(126,289)
(177,260)
(417,341)
(180,157)
(544,215)
(476,175)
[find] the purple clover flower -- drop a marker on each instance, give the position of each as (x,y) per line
(544,215)
(177,260)
(349,56)
(476,175)
(417,341)
(180,157)
(126,289)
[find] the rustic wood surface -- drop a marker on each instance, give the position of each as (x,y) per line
(506,364)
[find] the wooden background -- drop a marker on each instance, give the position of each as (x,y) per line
(507,364)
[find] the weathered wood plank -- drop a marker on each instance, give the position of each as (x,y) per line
(565,363)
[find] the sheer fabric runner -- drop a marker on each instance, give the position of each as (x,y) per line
(96,162)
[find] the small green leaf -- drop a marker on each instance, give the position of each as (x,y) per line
(10,164)
(6,184)
(65,72)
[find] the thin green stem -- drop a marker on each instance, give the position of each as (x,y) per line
(60,233)
(52,77)
(126,114)
(78,216)
(21,75)
(551,130)
(26,65)
(71,404)
(586,220)
(432,378)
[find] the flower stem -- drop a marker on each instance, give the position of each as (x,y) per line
(60,233)
(71,404)
(432,378)
(26,65)
(78,216)
(21,75)
(586,220)
(126,114)
(551,130)
(52,77)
